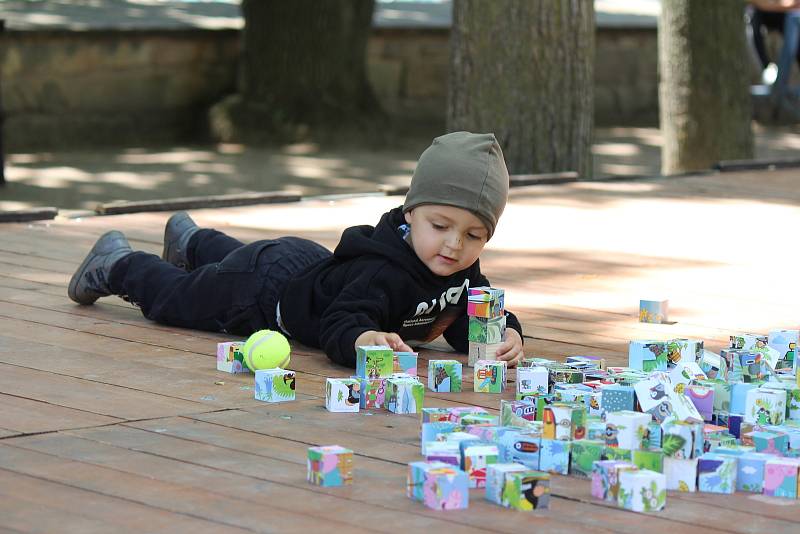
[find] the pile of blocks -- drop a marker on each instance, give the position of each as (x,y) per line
(464,449)
(487,323)
(677,418)
(384,379)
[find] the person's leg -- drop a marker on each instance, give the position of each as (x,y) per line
(221,296)
(755,17)
(210,246)
(791,43)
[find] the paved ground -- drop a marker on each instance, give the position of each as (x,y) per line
(81,180)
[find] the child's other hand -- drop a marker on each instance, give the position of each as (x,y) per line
(511,349)
(371,337)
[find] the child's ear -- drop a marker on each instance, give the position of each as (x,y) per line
(407,215)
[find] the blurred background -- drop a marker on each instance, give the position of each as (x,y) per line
(108,100)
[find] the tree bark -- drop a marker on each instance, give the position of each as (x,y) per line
(704,96)
(303,67)
(524,70)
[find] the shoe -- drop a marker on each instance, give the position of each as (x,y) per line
(180,227)
(90,281)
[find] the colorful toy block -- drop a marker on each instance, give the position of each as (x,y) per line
(527,490)
(681,474)
(554,456)
(564,421)
(785,343)
(605,478)
(476,455)
(642,491)
(274,385)
(532,381)
(481,351)
(650,459)
(703,399)
(780,477)
(585,453)
(437,485)
(496,480)
(330,465)
(374,361)
(626,429)
(404,395)
(485,302)
(520,446)
(230,358)
(342,394)
(776,443)
(482,330)
(489,376)
(517,413)
(448,452)
(750,471)
(373,392)
(716,473)
(653,311)
(444,376)
(616,398)
(765,406)
(677,439)
(405,362)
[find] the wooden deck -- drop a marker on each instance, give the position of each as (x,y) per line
(110,422)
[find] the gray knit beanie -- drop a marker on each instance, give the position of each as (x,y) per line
(464,170)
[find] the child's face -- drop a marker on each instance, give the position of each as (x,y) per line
(447,239)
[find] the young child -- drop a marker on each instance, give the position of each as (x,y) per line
(400,283)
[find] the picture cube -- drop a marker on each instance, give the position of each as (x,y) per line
(274,385)
(438,486)
(404,395)
(230,358)
(444,376)
(342,394)
(330,465)
(527,490)
(489,376)
(374,361)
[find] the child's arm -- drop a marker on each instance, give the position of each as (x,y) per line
(372,337)
(511,349)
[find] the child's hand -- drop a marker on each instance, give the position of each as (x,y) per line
(511,349)
(371,337)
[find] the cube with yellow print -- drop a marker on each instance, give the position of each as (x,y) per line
(489,376)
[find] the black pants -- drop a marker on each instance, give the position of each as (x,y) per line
(232,288)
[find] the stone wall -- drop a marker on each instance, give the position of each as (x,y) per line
(409,69)
(63,89)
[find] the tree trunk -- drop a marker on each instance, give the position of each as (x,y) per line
(703,94)
(524,70)
(303,68)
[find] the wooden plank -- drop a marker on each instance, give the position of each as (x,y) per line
(32,503)
(91,397)
(377,482)
(24,416)
(185,203)
(30,214)
(186,508)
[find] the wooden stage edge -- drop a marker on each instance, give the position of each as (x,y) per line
(109,421)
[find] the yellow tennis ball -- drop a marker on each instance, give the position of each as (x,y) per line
(266,349)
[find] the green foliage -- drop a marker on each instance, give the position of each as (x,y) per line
(672,443)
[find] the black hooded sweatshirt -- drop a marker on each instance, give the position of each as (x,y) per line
(375,281)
